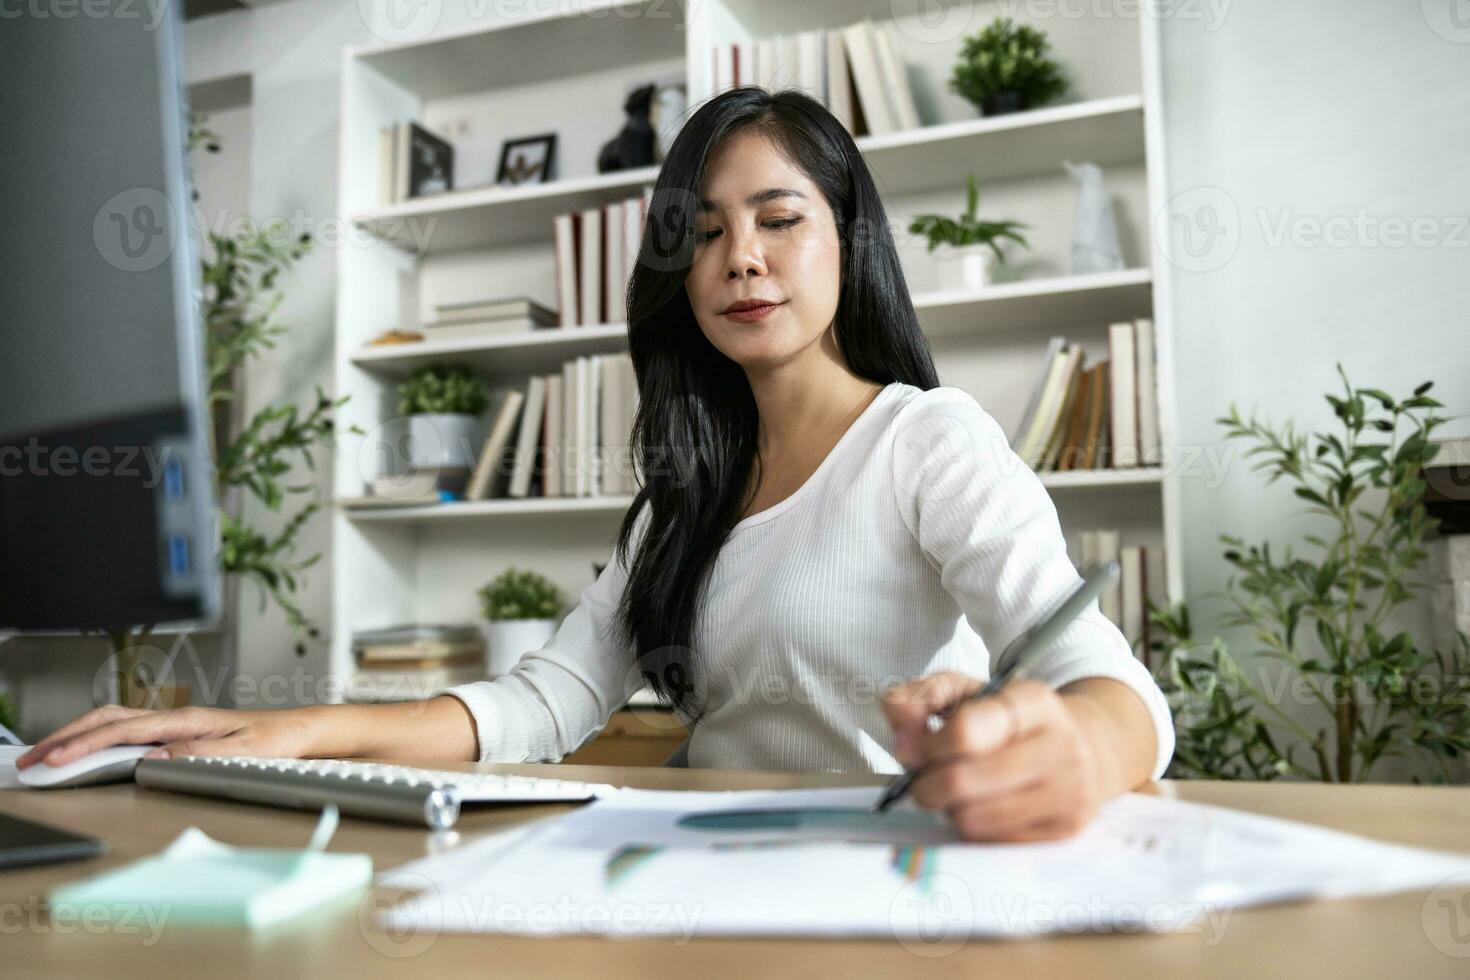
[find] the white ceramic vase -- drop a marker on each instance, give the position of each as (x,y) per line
(507,640)
(443,439)
(967,267)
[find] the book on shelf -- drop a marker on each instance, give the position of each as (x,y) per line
(1070,448)
(555,399)
(1148,401)
(1100,416)
(612,263)
(498,308)
(414,656)
(879,79)
(528,437)
(1065,405)
(413,161)
(1093,450)
(564,234)
(1130,586)
(1053,345)
(490,472)
(566,433)
(595,251)
(895,79)
(590,267)
(855,71)
(468,329)
(1125,603)
(1124,414)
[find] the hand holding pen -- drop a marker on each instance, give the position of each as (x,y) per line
(1012,761)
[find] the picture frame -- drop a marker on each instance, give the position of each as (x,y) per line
(526,160)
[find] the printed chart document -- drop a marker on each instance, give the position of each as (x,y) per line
(816,863)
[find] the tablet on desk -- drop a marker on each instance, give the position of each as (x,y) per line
(23,842)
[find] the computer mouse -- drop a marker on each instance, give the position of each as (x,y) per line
(113,764)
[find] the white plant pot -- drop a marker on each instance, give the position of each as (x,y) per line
(969,267)
(443,439)
(507,640)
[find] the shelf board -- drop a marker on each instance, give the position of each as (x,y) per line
(1037,304)
(479,510)
(490,509)
(1103,131)
(488,217)
(497,53)
(535,351)
(1099,479)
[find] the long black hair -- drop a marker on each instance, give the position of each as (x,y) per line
(694,434)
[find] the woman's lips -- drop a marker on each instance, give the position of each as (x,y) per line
(754,313)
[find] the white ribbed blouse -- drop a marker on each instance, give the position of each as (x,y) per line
(921,543)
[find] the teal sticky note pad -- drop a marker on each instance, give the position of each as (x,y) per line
(199,881)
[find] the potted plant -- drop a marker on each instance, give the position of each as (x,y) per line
(241,275)
(521,610)
(970,265)
(1006,68)
(1369,690)
(442,404)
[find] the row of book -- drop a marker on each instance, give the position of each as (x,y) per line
(855,71)
(1142,579)
(596,250)
(565,434)
(413,662)
(1098,417)
(412,162)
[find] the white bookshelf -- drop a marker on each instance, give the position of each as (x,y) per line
(497,80)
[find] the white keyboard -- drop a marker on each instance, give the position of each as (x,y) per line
(406,794)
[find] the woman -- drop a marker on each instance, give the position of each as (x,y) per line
(828,546)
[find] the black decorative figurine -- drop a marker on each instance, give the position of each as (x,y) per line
(633,146)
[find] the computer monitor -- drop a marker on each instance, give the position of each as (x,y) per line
(107,510)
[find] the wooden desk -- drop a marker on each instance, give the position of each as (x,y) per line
(1405,935)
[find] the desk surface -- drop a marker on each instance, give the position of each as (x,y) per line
(1423,934)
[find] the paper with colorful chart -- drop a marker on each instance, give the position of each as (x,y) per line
(817,863)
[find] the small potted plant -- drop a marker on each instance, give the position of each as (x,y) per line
(1006,68)
(970,265)
(521,610)
(442,404)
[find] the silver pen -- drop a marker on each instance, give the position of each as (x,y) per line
(1027,649)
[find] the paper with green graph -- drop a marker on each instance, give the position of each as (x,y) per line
(816,863)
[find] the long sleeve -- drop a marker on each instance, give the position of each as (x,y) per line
(987,525)
(557,697)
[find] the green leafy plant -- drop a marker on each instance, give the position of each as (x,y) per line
(445,388)
(1007,59)
(1371,693)
(520,595)
(967,229)
(241,275)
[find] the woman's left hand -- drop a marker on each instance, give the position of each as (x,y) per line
(1016,766)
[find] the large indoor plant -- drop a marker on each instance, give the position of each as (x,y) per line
(1320,625)
(520,609)
(1007,67)
(969,266)
(240,274)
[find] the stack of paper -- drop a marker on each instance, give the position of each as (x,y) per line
(815,863)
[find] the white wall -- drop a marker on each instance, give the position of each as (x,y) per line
(1304,113)
(1348,119)
(292,53)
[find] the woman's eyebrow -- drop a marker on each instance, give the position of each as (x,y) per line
(759,197)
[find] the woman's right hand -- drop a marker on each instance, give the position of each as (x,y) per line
(286,733)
